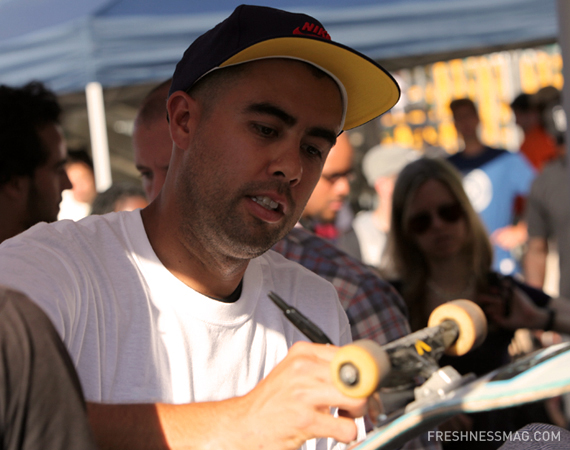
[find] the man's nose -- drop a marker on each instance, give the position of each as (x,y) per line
(286,162)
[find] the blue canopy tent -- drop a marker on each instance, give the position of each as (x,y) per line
(69,44)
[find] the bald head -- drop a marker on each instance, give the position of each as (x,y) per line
(151,140)
(334,185)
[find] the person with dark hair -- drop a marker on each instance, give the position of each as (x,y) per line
(538,145)
(124,196)
(32,158)
(165,310)
(497,182)
(329,196)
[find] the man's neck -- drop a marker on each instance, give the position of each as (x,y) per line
(195,265)
(473,147)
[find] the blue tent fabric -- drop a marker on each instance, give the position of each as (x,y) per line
(68,43)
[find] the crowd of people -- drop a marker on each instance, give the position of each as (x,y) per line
(138,317)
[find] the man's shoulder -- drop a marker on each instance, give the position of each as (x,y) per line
(555,168)
(92,231)
(551,182)
(466,163)
(374,308)
(285,268)
(327,261)
(318,254)
(296,283)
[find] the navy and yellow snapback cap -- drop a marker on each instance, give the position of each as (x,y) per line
(256,32)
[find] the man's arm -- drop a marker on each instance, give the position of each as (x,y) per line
(534,262)
(290,406)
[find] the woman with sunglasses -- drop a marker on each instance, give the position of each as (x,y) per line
(439,250)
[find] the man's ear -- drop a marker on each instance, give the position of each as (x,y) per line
(17,187)
(183,112)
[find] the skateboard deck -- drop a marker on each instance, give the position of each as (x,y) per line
(537,376)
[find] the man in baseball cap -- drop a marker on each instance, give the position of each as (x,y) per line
(165,310)
(254,32)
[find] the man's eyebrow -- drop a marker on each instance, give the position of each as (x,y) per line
(323,133)
(272,110)
(268,108)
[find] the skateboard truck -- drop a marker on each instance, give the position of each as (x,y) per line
(413,355)
(454,328)
(363,367)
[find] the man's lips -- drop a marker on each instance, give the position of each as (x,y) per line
(268,207)
(272,201)
(266,202)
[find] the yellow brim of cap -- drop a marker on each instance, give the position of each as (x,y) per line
(370,90)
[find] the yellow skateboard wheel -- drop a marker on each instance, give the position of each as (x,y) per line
(470,320)
(358,368)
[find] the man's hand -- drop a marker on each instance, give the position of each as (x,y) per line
(290,406)
(293,403)
(523,313)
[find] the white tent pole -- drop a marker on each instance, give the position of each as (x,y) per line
(98,131)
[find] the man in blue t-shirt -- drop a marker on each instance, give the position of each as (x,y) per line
(494,179)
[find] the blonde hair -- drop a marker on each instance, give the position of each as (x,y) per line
(404,258)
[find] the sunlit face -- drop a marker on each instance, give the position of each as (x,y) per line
(446,235)
(334,185)
(50,179)
(152,147)
(255,155)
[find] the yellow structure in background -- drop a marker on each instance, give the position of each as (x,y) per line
(422,118)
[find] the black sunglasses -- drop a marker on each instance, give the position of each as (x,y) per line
(421,222)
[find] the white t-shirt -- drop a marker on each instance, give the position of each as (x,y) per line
(137,334)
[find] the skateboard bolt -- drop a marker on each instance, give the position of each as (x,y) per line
(348,374)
